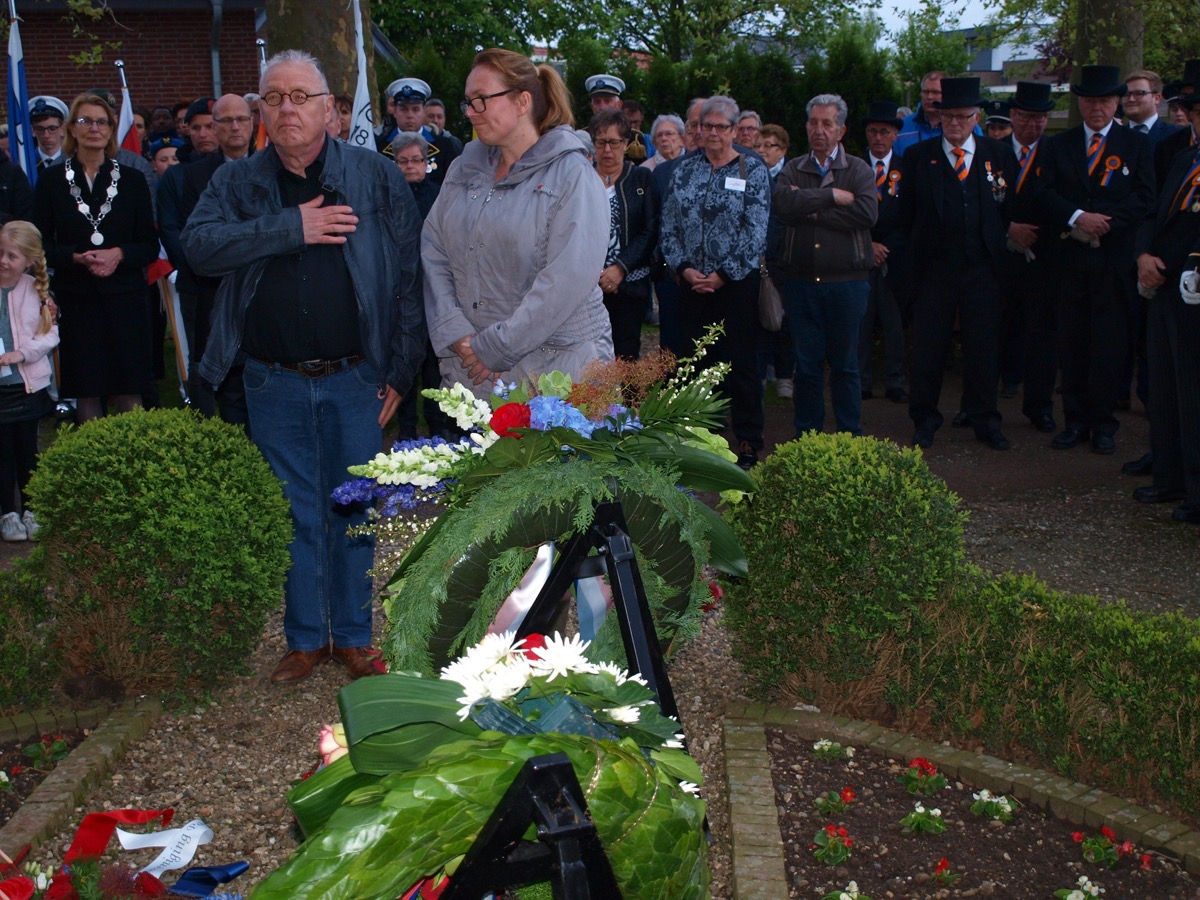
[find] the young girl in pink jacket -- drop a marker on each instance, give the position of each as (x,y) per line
(27,335)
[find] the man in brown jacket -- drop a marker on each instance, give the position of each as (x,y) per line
(826,199)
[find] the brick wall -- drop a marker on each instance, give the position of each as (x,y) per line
(166,55)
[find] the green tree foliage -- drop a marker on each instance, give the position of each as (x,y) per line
(923,47)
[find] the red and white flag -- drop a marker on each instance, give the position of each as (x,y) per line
(127,136)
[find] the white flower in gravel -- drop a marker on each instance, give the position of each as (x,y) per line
(936,813)
(562,656)
(849,752)
(3,777)
(983,795)
(919,808)
(625,715)
(822,744)
(689,788)
(850,893)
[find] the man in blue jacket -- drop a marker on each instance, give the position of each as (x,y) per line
(317,245)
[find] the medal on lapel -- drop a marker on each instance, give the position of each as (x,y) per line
(894,182)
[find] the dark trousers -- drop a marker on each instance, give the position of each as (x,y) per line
(18,456)
(736,304)
(972,294)
(1030,289)
(229,401)
(1173,345)
(670,324)
(626,313)
(883,312)
(1093,322)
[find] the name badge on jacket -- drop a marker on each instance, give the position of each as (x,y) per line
(735,184)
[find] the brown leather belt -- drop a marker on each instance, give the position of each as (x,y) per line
(317,368)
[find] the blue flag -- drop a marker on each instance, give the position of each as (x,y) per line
(20,132)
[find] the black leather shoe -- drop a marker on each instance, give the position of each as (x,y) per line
(1103,443)
(960,420)
(923,439)
(995,439)
(897,395)
(1189,513)
(1009,391)
(1142,466)
(1069,437)
(1044,423)
(1152,494)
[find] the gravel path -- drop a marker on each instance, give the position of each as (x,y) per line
(1065,515)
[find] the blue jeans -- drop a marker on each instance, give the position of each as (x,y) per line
(824,318)
(310,430)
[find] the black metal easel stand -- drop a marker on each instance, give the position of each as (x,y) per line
(568,852)
(546,793)
(609,535)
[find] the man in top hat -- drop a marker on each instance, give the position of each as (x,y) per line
(954,210)
(1099,185)
(882,127)
(47,115)
(999,124)
(1168,246)
(406,104)
(1027,342)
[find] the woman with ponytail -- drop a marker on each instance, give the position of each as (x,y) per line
(27,335)
(514,246)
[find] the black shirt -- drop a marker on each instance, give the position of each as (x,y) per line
(304,306)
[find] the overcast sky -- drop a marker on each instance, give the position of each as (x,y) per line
(969,12)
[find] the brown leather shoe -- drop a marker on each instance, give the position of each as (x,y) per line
(360,661)
(297,665)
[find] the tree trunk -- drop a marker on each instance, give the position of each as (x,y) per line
(1109,32)
(324,28)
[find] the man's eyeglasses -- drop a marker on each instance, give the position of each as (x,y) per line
(85,122)
(719,127)
(610,142)
(231,120)
(46,129)
(479,104)
(1137,95)
(298,97)
(958,117)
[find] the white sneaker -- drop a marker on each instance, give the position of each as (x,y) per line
(11,528)
(31,525)
(784,388)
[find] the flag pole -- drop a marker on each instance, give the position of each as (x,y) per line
(120,64)
(262,53)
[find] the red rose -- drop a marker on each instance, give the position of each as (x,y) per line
(532,644)
(1077,837)
(1146,861)
(510,415)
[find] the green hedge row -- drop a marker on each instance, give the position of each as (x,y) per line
(858,601)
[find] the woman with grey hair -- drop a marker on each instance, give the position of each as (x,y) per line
(666,134)
(714,231)
(411,152)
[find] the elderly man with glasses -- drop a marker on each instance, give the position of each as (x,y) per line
(317,244)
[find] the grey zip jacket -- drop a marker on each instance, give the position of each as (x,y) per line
(516,262)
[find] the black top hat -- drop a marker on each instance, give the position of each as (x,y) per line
(997,111)
(1191,79)
(1032,96)
(1099,81)
(958,93)
(884,112)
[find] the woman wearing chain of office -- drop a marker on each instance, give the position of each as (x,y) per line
(97,227)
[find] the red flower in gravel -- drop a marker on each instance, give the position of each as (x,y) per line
(1146,861)
(17,770)
(510,415)
(831,830)
(717,593)
(848,842)
(1108,833)
(1125,848)
(942,866)
(848,794)
(1077,837)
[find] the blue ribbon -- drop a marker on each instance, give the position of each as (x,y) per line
(200,881)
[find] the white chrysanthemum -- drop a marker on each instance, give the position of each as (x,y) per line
(495,649)
(625,715)
(562,656)
(475,689)
(619,675)
(689,787)
(507,680)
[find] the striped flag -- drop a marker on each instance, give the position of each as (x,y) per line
(127,136)
(362,132)
(20,131)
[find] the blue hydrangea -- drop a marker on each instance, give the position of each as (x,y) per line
(554,412)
